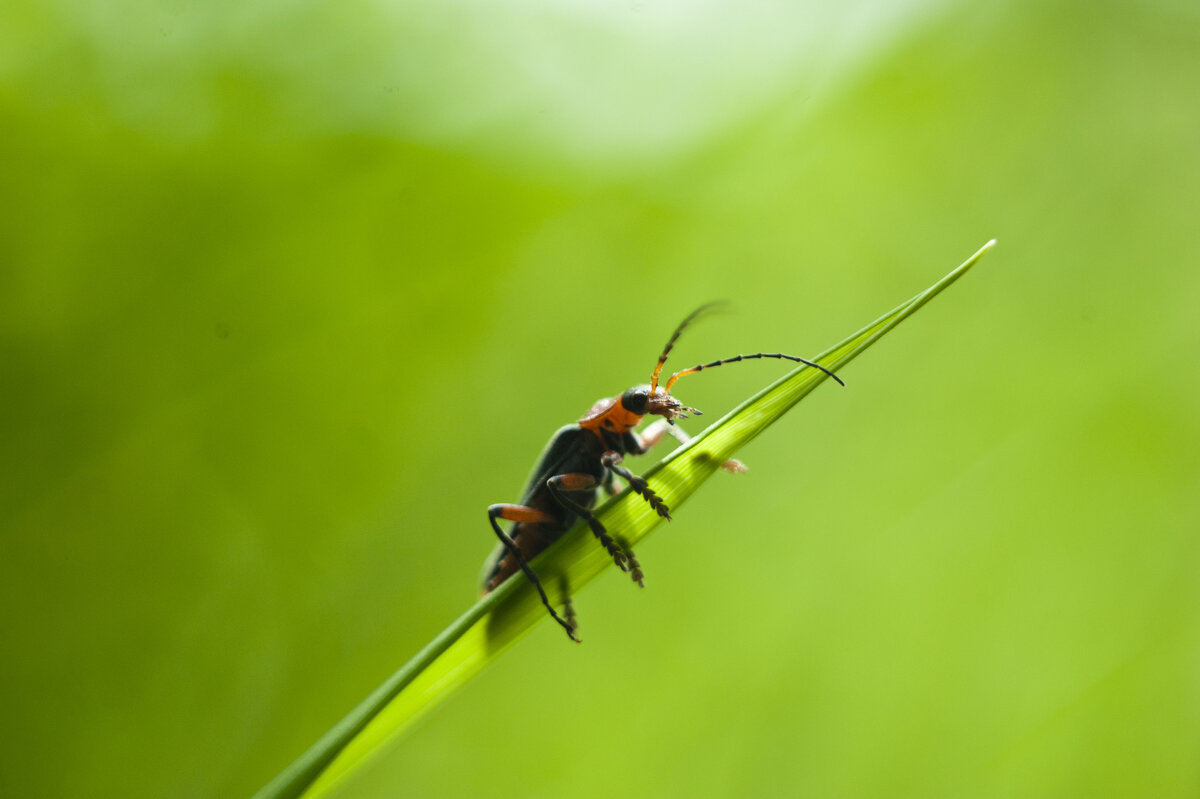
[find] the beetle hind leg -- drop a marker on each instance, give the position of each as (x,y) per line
(520,513)
(569,607)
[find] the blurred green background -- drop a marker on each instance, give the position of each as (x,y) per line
(291,291)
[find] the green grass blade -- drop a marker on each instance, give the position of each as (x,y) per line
(498,620)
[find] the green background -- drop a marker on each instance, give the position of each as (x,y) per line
(290,292)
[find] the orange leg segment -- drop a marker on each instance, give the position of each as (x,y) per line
(521,513)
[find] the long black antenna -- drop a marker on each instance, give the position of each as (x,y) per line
(701,367)
(662,359)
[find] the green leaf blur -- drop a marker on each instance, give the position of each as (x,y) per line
(290,292)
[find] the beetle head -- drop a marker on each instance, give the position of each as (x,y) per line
(655,402)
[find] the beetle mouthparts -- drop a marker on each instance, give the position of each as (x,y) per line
(663,404)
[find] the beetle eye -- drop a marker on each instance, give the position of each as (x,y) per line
(634,400)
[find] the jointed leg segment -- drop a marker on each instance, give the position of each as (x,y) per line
(521,513)
(561,483)
(622,555)
(660,427)
(612,462)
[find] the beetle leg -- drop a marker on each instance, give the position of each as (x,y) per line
(635,568)
(651,435)
(521,513)
(609,487)
(612,462)
(559,484)
(568,606)
(654,433)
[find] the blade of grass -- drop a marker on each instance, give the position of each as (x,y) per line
(502,617)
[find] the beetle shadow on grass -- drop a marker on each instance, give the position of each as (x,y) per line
(702,460)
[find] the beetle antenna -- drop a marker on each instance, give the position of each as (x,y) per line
(701,367)
(662,359)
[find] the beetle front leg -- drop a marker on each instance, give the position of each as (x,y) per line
(612,461)
(651,435)
(660,427)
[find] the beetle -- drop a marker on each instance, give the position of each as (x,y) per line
(582,458)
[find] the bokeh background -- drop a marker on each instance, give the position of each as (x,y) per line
(291,291)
